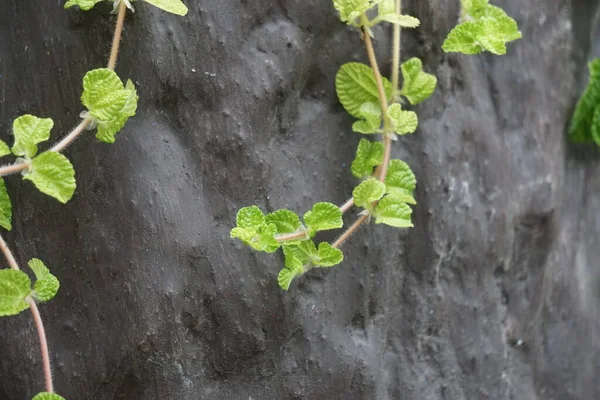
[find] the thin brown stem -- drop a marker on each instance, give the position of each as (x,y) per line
(387,141)
(114,51)
(36,318)
(396,52)
(70,138)
(347,205)
(8,254)
(13,169)
(338,243)
(291,236)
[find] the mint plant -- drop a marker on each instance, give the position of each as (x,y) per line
(381,107)
(109,104)
(585,124)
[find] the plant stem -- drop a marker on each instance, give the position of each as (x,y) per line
(67,140)
(36,318)
(13,169)
(114,51)
(291,236)
(387,141)
(396,52)
(347,205)
(338,243)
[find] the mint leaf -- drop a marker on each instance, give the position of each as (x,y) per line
(328,256)
(405,21)
(471,7)
(286,221)
(368,155)
(582,122)
(304,252)
(4,149)
(83,4)
(5,207)
(15,286)
(48,396)
(393,210)
(596,126)
(417,85)
(108,101)
(368,192)
(386,7)
(371,112)
(46,285)
(53,174)
(508,28)
(253,230)
(250,217)
(399,179)
(293,265)
(355,85)
(29,131)
(351,9)
(172,6)
(323,216)
(286,276)
(403,121)
(487,28)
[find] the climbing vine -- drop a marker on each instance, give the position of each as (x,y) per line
(108,103)
(381,107)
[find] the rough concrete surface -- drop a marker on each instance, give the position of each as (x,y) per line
(495,294)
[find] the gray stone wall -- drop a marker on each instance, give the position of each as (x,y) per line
(495,293)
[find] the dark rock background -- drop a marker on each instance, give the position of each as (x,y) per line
(495,294)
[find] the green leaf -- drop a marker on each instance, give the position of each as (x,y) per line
(471,7)
(53,174)
(108,101)
(323,216)
(304,252)
(417,85)
(508,28)
(253,230)
(368,155)
(403,121)
(393,210)
(596,126)
(48,396)
(29,131)
(4,149)
(582,123)
(15,286)
(46,285)
(371,112)
(5,207)
(355,85)
(83,4)
(399,179)
(368,192)
(285,277)
(172,6)
(293,265)
(328,256)
(487,28)
(250,217)
(386,7)
(286,221)
(405,21)
(351,9)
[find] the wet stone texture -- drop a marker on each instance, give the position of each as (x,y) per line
(495,294)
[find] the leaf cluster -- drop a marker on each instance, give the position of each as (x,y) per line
(15,287)
(585,124)
(485,28)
